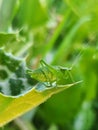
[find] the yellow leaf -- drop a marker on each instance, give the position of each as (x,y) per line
(12,107)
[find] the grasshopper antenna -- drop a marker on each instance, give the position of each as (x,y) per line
(74,63)
(77,59)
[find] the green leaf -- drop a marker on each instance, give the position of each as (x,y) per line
(32,13)
(12,107)
(7,12)
(14,43)
(86,8)
(81,8)
(68,41)
(7,38)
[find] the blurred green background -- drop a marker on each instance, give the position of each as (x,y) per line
(62,32)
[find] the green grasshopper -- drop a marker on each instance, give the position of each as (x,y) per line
(50,75)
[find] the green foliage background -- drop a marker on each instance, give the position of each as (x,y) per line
(63,33)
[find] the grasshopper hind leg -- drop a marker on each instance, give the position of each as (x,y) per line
(50,71)
(48,82)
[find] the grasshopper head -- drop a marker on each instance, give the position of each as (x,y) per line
(64,69)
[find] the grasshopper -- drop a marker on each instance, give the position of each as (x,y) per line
(50,75)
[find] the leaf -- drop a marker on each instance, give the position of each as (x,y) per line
(86,8)
(13,78)
(12,107)
(20,93)
(68,41)
(81,8)
(7,12)
(32,13)
(6,38)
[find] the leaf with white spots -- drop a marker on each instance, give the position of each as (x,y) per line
(20,93)
(13,77)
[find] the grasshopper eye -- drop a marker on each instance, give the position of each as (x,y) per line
(63,69)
